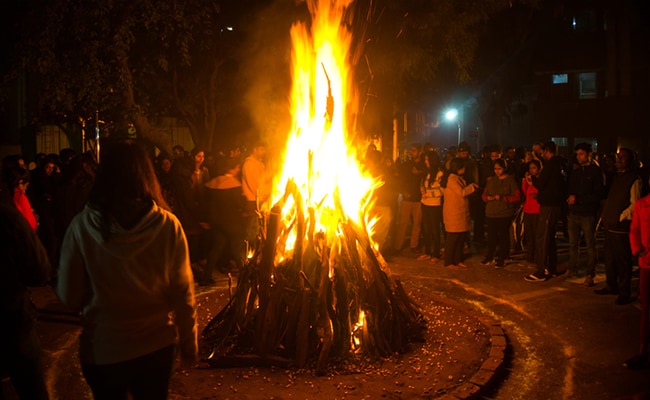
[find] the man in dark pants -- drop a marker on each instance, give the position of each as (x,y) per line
(24,263)
(617,216)
(551,194)
(586,188)
(410,176)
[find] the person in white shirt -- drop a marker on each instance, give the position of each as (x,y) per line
(432,208)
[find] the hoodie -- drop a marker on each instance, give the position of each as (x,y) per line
(135,290)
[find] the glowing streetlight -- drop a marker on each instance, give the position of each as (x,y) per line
(453,115)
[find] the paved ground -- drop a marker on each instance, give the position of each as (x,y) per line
(492,335)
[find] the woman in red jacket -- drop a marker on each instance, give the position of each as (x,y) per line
(16,179)
(640,243)
(531,209)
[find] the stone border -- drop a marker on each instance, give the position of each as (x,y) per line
(483,380)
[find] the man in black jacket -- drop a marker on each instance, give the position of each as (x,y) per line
(551,189)
(617,216)
(585,189)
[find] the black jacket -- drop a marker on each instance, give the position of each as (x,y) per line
(618,199)
(551,183)
(410,176)
(587,184)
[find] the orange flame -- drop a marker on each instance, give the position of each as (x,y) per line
(319,157)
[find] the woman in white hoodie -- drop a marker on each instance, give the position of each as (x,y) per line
(125,265)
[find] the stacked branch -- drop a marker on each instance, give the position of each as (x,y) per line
(328,301)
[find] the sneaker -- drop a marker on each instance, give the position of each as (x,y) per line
(589,281)
(606,290)
(637,362)
(535,278)
(434,260)
(452,266)
(423,257)
(500,264)
(462,265)
(553,274)
(487,261)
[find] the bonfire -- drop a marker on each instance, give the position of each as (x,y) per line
(315,287)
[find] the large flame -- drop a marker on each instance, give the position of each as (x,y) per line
(320,157)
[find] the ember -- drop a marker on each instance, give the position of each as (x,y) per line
(316,288)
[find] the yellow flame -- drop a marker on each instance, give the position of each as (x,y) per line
(362,318)
(319,157)
(357,331)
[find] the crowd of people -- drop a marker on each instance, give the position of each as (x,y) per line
(214,196)
(123,242)
(520,200)
(139,230)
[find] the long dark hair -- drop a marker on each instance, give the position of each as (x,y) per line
(434,162)
(455,165)
(125,176)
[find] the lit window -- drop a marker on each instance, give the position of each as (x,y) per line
(560,142)
(560,78)
(587,85)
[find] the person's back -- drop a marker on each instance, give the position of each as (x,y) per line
(71,191)
(252,173)
(186,206)
(125,265)
(254,189)
(226,205)
(40,193)
(129,275)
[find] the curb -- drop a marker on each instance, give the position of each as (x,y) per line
(484,379)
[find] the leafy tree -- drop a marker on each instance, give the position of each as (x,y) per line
(136,61)
(222,67)
(419,53)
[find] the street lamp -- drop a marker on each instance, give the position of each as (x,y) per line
(452,115)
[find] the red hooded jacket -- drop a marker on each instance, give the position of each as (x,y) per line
(640,231)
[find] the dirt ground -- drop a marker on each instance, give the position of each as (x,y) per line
(456,345)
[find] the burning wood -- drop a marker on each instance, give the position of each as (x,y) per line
(316,288)
(322,304)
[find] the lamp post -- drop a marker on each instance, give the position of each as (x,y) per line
(452,115)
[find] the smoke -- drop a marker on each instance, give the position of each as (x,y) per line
(267,72)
